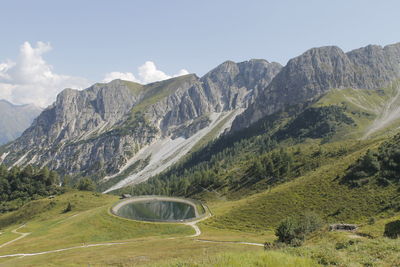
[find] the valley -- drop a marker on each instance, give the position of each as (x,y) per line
(274,153)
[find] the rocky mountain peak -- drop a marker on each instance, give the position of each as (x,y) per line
(313,73)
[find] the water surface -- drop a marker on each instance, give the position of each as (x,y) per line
(157,210)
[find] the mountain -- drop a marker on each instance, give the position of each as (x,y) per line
(323,107)
(15,119)
(312,74)
(122,132)
(124,129)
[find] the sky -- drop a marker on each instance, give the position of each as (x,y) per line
(47,45)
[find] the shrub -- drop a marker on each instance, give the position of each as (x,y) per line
(293,230)
(296,242)
(344,245)
(286,230)
(86,184)
(68,208)
(371,221)
(392,229)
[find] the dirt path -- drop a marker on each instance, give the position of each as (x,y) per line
(61,249)
(230,242)
(195,227)
(198,233)
(15,231)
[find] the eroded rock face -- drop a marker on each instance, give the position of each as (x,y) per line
(316,71)
(95,131)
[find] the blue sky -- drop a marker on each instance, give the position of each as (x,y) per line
(90,38)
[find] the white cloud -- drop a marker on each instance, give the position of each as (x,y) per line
(181,73)
(31,79)
(147,73)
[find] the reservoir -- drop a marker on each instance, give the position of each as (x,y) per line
(157,209)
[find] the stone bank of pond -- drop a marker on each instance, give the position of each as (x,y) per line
(159,209)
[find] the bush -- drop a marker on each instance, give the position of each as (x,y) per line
(344,245)
(371,221)
(68,208)
(296,242)
(392,229)
(286,230)
(293,230)
(86,184)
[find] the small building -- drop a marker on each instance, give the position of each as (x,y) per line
(125,196)
(342,227)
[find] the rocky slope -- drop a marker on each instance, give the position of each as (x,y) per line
(107,128)
(313,73)
(15,119)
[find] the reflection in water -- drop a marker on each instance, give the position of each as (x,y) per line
(157,210)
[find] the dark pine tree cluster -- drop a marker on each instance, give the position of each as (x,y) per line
(382,166)
(20,185)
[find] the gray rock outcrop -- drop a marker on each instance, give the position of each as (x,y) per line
(313,73)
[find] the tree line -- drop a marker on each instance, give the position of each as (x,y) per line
(18,185)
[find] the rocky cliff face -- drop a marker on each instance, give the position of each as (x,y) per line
(15,119)
(98,130)
(316,71)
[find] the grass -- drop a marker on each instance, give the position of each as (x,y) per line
(319,190)
(250,219)
(218,234)
(135,88)
(90,222)
(363,106)
(7,236)
(139,252)
(271,258)
(52,229)
(148,244)
(155,92)
(353,249)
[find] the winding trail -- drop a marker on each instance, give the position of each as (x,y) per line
(193,224)
(230,242)
(61,249)
(15,231)
(195,227)
(198,233)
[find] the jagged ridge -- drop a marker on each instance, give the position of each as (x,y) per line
(96,131)
(318,70)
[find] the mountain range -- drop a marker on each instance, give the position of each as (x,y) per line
(122,133)
(15,119)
